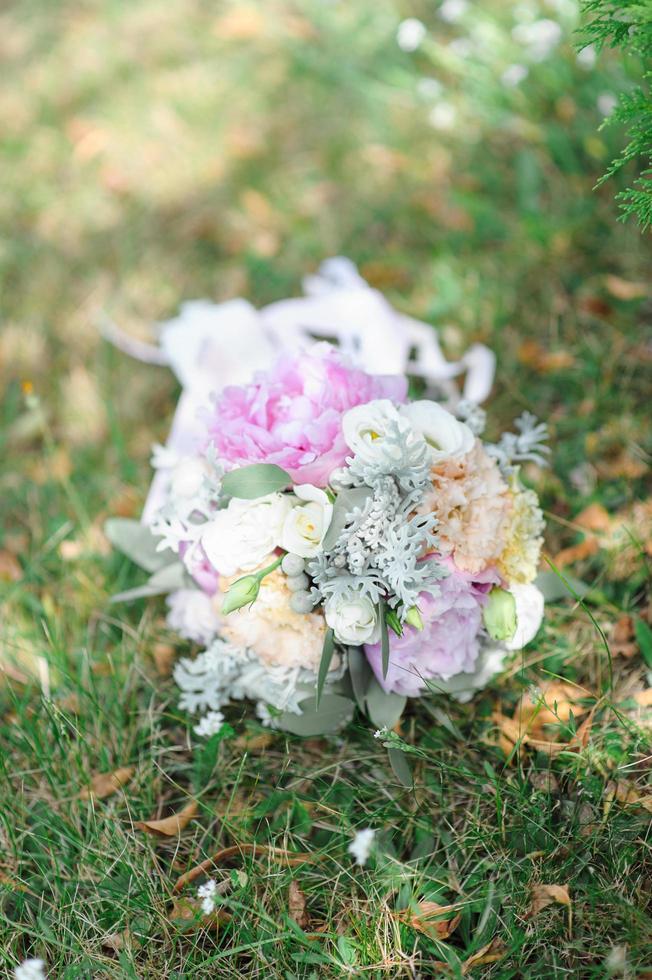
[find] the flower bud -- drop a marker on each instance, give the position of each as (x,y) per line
(394,623)
(301,602)
(297,583)
(413,618)
(242,593)
(499,615)
(292,564)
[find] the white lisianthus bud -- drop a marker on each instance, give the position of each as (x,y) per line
(307,522)
(353,619)
(445,434)
(529,614)
(365,427)
(244,534)
(243,592)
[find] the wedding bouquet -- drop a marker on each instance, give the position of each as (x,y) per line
(329,541)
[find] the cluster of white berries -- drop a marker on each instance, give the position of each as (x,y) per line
(298,583)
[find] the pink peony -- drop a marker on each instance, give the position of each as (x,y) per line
(449,642)
(291,415)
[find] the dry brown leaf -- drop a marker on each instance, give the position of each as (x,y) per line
(10,570)
(644,698)
(236,850)
(106,783)
(163,655)
(427,918)
(534,355)
(595,517)
(624,289)
(577,552)
(626,793)
(170,826)
(625,464)
(188,910)
(559,701)
(116,941)
(541,896)
(254,743)
(491,953)
(297,905)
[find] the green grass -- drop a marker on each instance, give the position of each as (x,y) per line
(158,152)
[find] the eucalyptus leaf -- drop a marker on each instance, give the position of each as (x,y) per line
(257,480)
(554,588)
(345,502)
(360,675)
(383,709)
(161,582)
(332,714)
(137,542)
(401,767)
(326,656)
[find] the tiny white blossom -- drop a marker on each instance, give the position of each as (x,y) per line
(381,732)
(607,102)
(207,894)
(514,75)
(30,970)
(452,10)
(210,724)
(360,846)
(410,34)
(442,115)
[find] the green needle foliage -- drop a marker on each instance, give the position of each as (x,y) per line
(627,24)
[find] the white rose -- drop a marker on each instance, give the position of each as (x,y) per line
(307,522)
(191,614)
(353,619)
(365,427)
(445,434)
(241,537)
(529,614)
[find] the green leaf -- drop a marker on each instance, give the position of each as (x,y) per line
(326,656)
(401,767)
(643,635)
(360,674)
(384,637)
(345,502)
(257,480)
(554,589)
(137,542)
(164,580)
(333,713)
(383,709)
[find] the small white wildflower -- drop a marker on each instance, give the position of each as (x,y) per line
(360,846)
(30,970)
(210,724)
(607,102)
(587,57)
(442,115)
(207,893)
(410,34)
(452,10)
(381,732)
(514,75)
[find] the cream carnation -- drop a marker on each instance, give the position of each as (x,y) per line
(272,630)
(446,435)
(472,504)
(307,522)
(243,535)
(519,560)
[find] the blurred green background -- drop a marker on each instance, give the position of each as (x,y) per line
(154,152)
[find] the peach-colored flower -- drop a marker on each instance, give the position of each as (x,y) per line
(272,630)
(472,503)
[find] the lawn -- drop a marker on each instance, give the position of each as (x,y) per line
(155,152)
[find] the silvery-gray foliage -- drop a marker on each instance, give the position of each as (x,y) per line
(527,445)
(472,415)
(379,550)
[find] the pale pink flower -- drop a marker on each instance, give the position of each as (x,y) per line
(292,414)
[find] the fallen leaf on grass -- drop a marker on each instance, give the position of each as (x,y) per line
(491,953)
(576,552)
(254,743)
(106,783)
(541,896)
(535,355)
(256,850)
(626,793)
(297,905)
(554,706)
(595,517)
(169,826)
(163,655)
(644,698)
(427,918)
(621,638)
(624,289)
(10,570)
(188,910)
